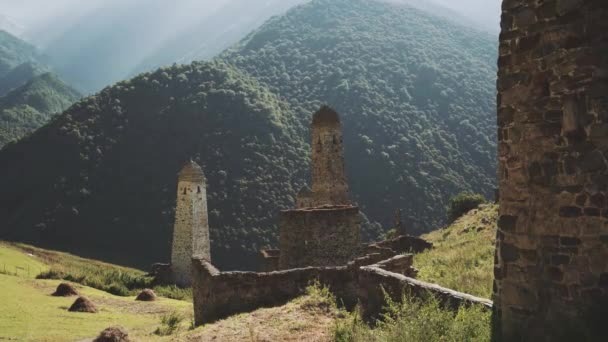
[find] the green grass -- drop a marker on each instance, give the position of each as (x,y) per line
(418,320)
(117,280)
(29,313)
(16,262)
(463,255)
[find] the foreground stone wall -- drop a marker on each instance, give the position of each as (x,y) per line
(220,294)
(327,236)
(551,274)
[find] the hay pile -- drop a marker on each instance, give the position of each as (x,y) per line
(113,334)
(65,290)
(83,304)
(146,295)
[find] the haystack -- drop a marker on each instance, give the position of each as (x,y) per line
(65,290)
(83,304)
(113,334)
(146,295)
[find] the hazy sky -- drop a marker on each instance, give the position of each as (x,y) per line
(33,13)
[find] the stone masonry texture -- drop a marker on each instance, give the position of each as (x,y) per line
(551,268)
(191,229)
(319,236)
(325,228)
(329,186)
(220,294)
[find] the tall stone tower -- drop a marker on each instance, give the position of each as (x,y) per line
(329,184)
(324,229)
(191,229)
(551,270)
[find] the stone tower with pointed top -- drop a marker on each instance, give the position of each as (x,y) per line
(191,229)
(329,184)
(324,228)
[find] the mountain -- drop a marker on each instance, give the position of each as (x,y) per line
(20,75)
(100,179)
(31,105)
(216,31)
(416,93)
(416,97)
(14,51)
(91,51)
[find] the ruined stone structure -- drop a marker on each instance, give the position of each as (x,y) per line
(551,272)
(191,229)
(324,230)
(365,280)
(329,186)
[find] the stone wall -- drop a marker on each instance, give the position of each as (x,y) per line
(191,228)
(551,274)
(327,236)
(220,294)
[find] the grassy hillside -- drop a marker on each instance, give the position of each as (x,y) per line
(415,91)
(31,105)
(463,253)
(101,178)
(30,313)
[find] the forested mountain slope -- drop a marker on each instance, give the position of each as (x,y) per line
(100,179)
(31,105)
(14,51)
(416,94)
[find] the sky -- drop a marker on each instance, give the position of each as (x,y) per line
(32,14)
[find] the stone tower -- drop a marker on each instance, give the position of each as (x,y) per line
(329,184)
(324,229)
(191,229)
(551,271)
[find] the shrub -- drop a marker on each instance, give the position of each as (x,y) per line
(169,324)
(463,203)
(415,319)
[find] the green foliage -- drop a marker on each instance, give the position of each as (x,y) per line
(30,106)
(416,94)
(105,170)
(169,324)
(462,257)
(318,297)
(414,319)
(463,203)
(391,234)
(14,51)
(115,281)
(174,292)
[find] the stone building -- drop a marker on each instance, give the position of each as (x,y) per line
(191,229)
(324,229)
(551,271)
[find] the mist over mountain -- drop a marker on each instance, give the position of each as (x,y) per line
(416,97)
(95,43)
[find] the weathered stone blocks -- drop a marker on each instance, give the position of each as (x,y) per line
(553,172)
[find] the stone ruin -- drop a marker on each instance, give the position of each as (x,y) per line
(551,271)
(320,241)
(191,228)
(324,229)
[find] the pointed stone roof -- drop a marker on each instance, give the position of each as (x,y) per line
(326,116)
(191,172)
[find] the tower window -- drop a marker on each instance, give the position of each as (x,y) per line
(198,190)
(185,190)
